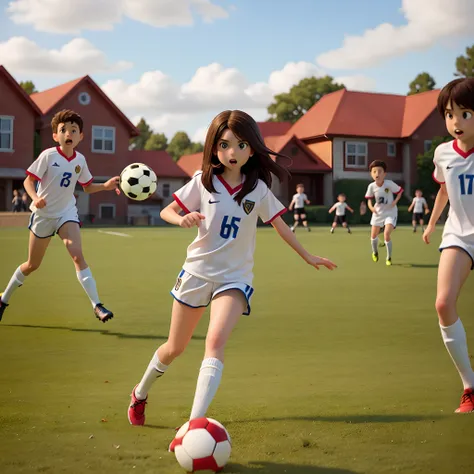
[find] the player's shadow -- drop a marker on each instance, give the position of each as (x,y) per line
(415,265)
(264,467)
(104,332)
(350,419)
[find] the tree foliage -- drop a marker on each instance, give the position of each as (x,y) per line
(422,83)
(138,143)
(181,145)
(465,64)
(28,87)
(157,141)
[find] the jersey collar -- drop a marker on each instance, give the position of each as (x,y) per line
(458,150)
(58,149)
(230,190)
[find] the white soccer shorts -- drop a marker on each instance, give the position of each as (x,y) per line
(44,227)
(197,293)
(381,220)
(451,240)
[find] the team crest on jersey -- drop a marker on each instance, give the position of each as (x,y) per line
(77,169)
(387,190)
(248,206)
(178,284)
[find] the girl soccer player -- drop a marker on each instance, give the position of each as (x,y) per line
(454,171)
(57,170)
(232,191)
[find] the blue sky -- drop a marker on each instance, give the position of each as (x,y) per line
(179,67)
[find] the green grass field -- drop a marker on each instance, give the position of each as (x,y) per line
(334,372)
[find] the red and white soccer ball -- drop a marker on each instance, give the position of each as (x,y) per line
(202,444)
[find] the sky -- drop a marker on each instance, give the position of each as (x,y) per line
(178,63)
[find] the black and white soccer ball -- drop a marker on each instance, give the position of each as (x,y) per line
(138,181)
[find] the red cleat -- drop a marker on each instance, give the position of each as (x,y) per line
(467,401)
(136,410)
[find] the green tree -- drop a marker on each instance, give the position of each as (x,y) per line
(157,141)
(465,64)
(28,87)
(291,106)
(422,83)
(138,143)
(425,168)
(181,145)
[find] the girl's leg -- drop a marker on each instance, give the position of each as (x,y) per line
(388,240)
(36,250)
(184,320)
(226,310)
(453,270)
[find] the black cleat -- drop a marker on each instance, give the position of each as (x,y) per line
(3,307)
(102,313)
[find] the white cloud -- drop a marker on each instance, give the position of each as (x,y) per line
(54,16)
(428,21)
(79,56)
(200,135)
(357,83)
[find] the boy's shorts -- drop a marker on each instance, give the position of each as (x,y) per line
(197,293)
(44,227)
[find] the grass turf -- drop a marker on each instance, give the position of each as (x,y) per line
(334,372)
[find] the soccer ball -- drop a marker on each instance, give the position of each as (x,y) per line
(138,181)
(202,444)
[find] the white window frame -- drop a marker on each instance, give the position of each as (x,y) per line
(169,189)
(107,204)
(11,119)
(103,128)
(427,145)
(357,155)
(389,152)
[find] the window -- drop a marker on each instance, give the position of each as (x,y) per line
(103,139)
(356,155)
(428,145)
(166,190)
(391,149)
(107,211)
(6,133)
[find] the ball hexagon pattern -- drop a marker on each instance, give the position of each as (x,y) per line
(138,181)
(202,444)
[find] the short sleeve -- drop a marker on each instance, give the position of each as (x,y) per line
(189,196)
(38,168)
(438,174)
(423,201)
(395,188)
(85,178)
(369,194)
(270,208)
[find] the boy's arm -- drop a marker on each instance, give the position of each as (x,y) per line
(399,196)
(410,207)
(427,209)
(109,185)
(439,205)
(30,187)
(332,209)
(290,207)
(370,205)
(350,208)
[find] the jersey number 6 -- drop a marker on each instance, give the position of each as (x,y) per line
(66,181)
(229,228)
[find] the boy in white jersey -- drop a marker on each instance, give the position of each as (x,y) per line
(384,212)
(54,209)
(224,202)
(340,217)
(418,205)
(454,171)
(298,202)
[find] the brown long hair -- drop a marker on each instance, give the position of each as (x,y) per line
(259,165)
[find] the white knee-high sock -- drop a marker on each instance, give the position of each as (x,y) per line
(375,243)
(454,338)
(389,249)
(154,370)
(88,283)
(16,281)
(208,381)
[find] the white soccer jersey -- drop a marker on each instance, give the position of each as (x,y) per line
(299,200)
(224,248)
(420,204)
(383,196)
(57,176)
(456,169)
(341,208)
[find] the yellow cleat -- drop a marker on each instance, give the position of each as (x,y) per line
(388,262)
(375,257)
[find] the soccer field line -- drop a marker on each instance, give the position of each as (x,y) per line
(120,234)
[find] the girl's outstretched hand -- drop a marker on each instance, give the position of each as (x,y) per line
(316,262)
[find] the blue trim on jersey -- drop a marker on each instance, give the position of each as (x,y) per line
(181,273)
(186,304)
